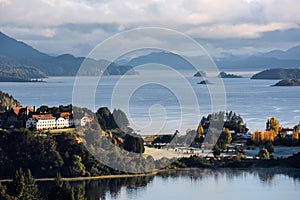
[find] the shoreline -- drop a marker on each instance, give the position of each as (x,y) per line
(156,172)
(113,176)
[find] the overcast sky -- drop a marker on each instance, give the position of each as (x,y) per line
(221,26)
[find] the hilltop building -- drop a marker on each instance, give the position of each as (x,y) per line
(50,121)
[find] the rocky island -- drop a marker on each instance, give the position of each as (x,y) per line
(200,74)
(288,82)
(204,82)
(225,75)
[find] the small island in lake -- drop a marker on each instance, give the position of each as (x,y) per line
(225,75)
(204,82)
(288,82)
(200,74)
(278,73)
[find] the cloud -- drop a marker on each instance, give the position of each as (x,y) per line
(239,19)
(172,13)
(4,2)
(224,31)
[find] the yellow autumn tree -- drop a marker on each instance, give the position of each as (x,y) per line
(269,136)
(200,131)
(256,137)
(274,125)
(295,136)
(261,137)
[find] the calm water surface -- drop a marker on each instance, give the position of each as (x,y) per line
(200,184)
(254,100)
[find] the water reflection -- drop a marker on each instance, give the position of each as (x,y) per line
(99,189)
(211,183)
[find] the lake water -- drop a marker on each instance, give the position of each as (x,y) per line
(158,106)
(273,184)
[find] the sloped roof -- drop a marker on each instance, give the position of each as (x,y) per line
(43,116)
(18,109)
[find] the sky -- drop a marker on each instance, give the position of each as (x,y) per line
(223,27)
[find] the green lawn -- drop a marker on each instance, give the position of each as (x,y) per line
(61,130)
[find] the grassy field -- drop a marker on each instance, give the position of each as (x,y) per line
(57,131)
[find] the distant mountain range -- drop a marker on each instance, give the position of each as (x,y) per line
(21,62)
(262,61)
(164,58)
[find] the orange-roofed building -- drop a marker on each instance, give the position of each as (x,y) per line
(41,121)
(18,115)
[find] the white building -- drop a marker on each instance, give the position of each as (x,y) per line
(85,120)
(41,121)
(64,120)
(62,123)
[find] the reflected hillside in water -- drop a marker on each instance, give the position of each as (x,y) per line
(99,189)
(264,174)
(134,187)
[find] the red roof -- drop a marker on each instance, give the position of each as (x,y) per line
(17,109)
(65,115)
(43,116)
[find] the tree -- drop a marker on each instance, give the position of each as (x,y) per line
(295,136)
(263,154)
(232,121)
(106,119)
(226,134)
(79,193)
(255,137)
(134,143)
(200,131)
(63,191)
(7,102)
(269,146)
(224,139)
(4,195)
(274,125)
(120,118)
(78,168)
(269,136)
(25,187)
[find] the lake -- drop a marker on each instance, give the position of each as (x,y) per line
(152,106)
(275,184)
(164,105)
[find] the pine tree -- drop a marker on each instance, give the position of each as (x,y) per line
(79,193)
(63,191)
(3,193)
(25,187)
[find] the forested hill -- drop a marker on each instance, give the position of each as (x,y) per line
(278,73)
(12,70)
(16,54)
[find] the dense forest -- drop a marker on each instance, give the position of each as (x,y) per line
(229,120)
(24,187)
(12,70)
(83,151)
